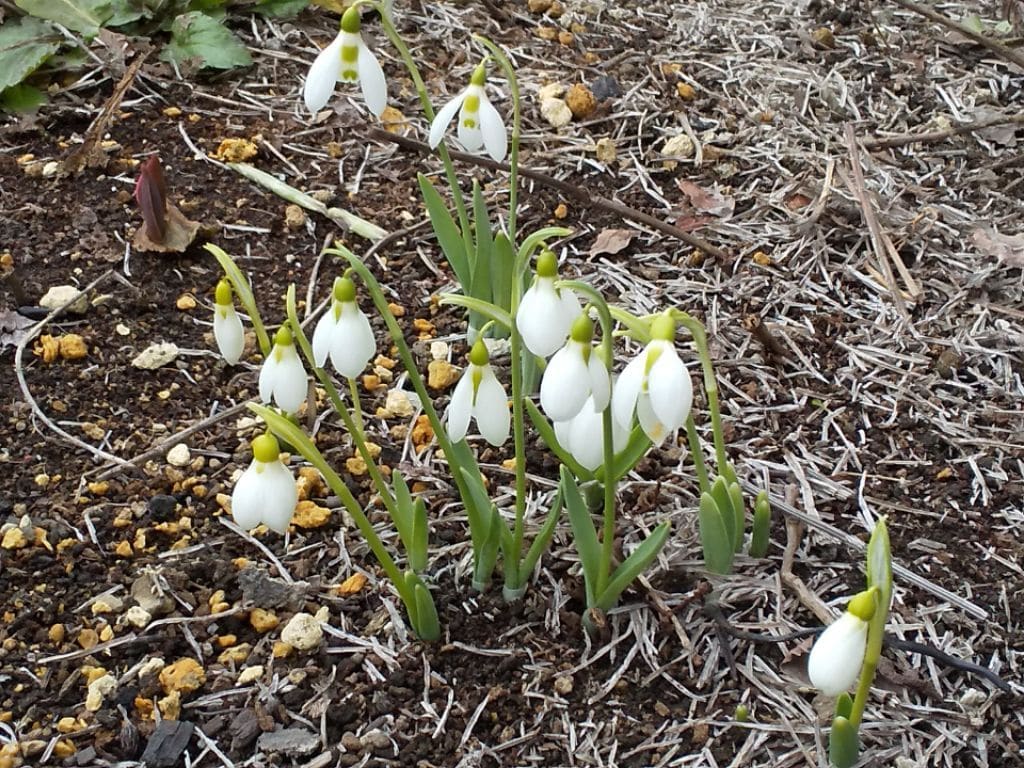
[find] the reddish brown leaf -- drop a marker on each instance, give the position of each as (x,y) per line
(612,241)
(151,195)
(707,201)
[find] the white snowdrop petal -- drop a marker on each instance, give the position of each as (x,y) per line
(600,381)
(540,321)
(492,127)
(570,306)
(670,389)
(461,407)
(563,433)
(564,388)
(372,81)
(229,333)
(247,497)
(470,137)
(837,657)
(491,409)
(323,334)
(268,375)
(587,438)
(627,389)
(281,496)
(443,119)
(290,387)
(319,85)
(353,344)
(649,421)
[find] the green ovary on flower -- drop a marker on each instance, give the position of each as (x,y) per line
(265,448)
(223,293)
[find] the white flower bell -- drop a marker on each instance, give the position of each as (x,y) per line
(344,333)
(837,657)
(480,125)
(583,435)
(546,313)
(575,373)
(227,325)
(266,492)
(282,377)
(479,395)
(348,60)
(655,385)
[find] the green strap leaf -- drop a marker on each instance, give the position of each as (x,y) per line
(879,562)
(480,306)
(843,743)
(720,493)
(762,525)
(628,457)
(403,514)
(740,516)
(417,547)
(637,562)
(502,266)
(547,434)
(448,235)
(421,608)
(584,535)
(715,539)
(543,538)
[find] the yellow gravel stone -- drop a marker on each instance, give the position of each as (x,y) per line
(423,327)
(352,585)
(56,634)
(282,650)
(441,375)
(235,655)
(64,748)
(226,641)
(88,638)
(170,706)
(14,539)
(309,514)
(184,675)
(236,150)
(356,466)
(186,302)
(123,549)
(73,347)
(263,621)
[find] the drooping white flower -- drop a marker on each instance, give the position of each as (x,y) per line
(227,325)
(481,396)
(575,373)
(480,125)
(266,492)
(655,385)
(583,435)
(344,333)
(546,313)
(837,657)
(282,377)
(347,60)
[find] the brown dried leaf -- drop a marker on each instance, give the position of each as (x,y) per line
(179,235)
(1009,249)
(707,201)
(612,241)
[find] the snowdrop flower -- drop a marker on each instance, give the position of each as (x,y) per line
(282,377)
(655,385)
(575,373)
(227,325)
(266,492)
(546,313)
(838,655)
(480,125)
(347,60)
(479,395)
(583,435)
(344,333)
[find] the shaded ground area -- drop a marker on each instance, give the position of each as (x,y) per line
(867,333)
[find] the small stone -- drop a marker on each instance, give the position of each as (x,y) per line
(186,302)
(396,310)
(605,87)
(356,466)
(334,150)
(122,330)
(138,616)
(680,146)
(423,327)
(439,350)
(547,33)
(441,375)
(50,169)
(59,295)
(69,725)
(250,674)
(556,112)
(822,37)
(236,150)
(14,538)
(398,403)
(294,217)
(686,91)
(172,111)
(309,514)
(106,604)
(422,433)
(151,667)
(235,655)
(72,347)
(302,632)
(538,6)
(123,549)
(563,685)
(185,675)
(46,347)
(561,211)
(88,638)
(281,650)
(550,91)
(156,355)
(56,634)
(289,741)
(352,585)
(179,455)
(393,121)
(263,621)
(606,150)
(98,690)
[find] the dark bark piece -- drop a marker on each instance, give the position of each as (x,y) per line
(168,742)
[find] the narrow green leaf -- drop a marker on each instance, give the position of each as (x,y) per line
(480,306)
(543,538)
(484,241)
(427,625)
(843,743)
(584,535)
(547,434)
(198,36)
(82,16)
(486,558)
(844,705)
(448,235)
(21,98)
(403,515)
(879,562)
(637,562)
(736,499)
(24,45)
(417,548)
(534,240)
(762,525)
(715,539)
(720,493)
(503,262)
(477,505)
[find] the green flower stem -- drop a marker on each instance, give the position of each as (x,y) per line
(513,160)
(604,317)
(710,383)
(698,455)
(428,110)
(295,436)
(357,407)
(354,428)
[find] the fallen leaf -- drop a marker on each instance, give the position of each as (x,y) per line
(707,201)
(13,328)
(1007,248)
(180,233)
(612,241)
